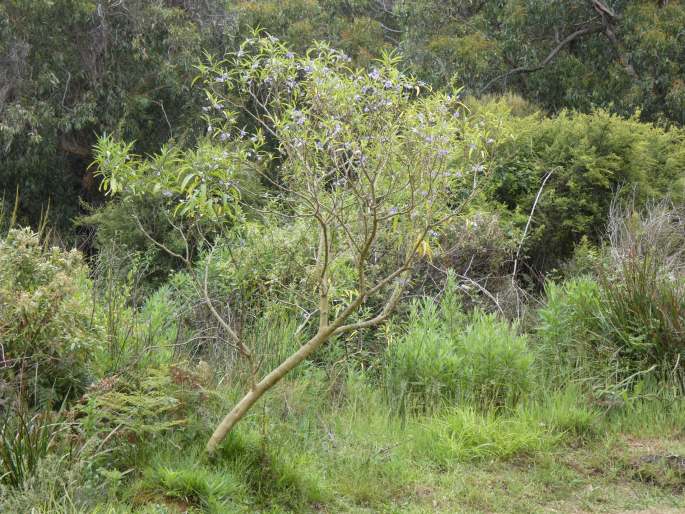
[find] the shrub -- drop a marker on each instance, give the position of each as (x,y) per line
(422,364)
(643,308)
(610,332)
(498,366)
(46,318)
(127,413)
(448,355)
(590,156)
(644,315)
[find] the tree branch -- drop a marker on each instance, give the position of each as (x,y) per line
(550,57)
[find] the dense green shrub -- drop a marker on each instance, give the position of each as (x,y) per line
(444,354)
(47,334)
(589,156)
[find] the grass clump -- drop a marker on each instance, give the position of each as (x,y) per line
(193,485)
(445,355)
(466,434)
(24,441)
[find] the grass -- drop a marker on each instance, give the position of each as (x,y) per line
(353,455)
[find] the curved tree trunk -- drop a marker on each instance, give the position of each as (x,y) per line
(264,385)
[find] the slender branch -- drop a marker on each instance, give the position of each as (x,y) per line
(157,243)
(237,343)
(550,57)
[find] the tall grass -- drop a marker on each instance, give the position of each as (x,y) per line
(445,356)
(644,314)
(25,440)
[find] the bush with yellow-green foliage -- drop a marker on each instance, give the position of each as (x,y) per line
(589,158)
(47,333)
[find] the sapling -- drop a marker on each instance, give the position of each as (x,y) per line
(373,160)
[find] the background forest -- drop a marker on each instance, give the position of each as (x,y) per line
(342,256)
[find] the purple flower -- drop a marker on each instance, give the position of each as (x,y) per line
(225,136)
(443,152)
(375,74)
(387,84)
(289,55)
(299,117)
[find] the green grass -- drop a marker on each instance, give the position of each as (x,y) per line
(354,455)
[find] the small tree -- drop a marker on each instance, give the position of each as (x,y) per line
(375,161)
